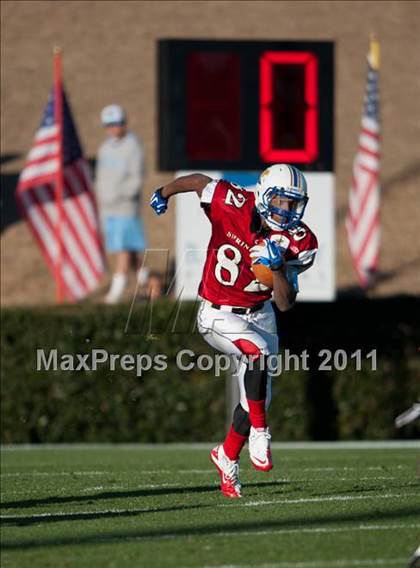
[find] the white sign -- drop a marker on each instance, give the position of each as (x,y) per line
(193,234)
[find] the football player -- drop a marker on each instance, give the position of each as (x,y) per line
(249,228)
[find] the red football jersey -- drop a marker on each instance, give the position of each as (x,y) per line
(227,276)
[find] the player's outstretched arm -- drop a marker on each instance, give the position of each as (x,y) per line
(184,184)
(271,254)
(283,292)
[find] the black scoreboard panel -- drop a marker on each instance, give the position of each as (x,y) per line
(242,105)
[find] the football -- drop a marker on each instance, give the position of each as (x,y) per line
(262,273)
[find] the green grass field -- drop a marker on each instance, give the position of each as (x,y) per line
(160,506)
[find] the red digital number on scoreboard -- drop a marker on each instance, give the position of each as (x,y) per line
(289,116)
(213,127)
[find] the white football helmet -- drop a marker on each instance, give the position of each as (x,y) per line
(281,180)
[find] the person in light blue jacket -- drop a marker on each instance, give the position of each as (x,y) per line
(119,178)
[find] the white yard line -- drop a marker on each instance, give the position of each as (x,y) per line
(342,467)
(371,478)
(53,473)
(350,445)
(207,470)
(247,504)
(228,534)
(349,468)
(279,480)
(133,487)
(76,513)
(315,530)
(107,488)
(81,473)
(322,499)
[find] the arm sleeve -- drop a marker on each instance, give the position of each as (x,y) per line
(208,201)
(301,261)
(295,267)
(292,277)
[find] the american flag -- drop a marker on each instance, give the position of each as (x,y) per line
(363,222)
(64,222)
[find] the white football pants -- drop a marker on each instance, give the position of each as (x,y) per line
(227,333)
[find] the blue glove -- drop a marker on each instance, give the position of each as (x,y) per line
(158,202)
(268,253)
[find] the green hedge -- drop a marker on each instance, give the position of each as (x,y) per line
(175,405)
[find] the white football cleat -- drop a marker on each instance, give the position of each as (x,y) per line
(228,470)
(259,448)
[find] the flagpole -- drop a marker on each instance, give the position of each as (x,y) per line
(374,52)
(59,182)
(375,61)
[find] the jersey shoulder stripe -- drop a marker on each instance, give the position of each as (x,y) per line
(208,192)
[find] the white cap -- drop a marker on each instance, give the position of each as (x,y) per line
(112,114)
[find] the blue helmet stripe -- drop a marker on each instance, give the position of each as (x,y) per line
(292,176)
(296,177)
(299,183)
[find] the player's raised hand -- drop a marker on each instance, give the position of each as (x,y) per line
(158,202)
(269,253)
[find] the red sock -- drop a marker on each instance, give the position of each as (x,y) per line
(257,413)
(233,444)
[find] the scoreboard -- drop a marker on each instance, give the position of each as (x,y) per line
(242,105)
(231,108)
